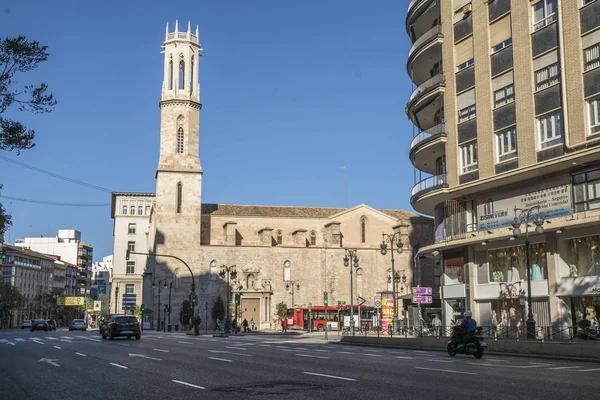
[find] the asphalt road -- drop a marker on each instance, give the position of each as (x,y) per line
(80,365)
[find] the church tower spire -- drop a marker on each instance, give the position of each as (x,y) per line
(179,174)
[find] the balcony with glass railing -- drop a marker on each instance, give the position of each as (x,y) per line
(431,35)
(427,193)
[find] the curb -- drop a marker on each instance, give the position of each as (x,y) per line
(493,353)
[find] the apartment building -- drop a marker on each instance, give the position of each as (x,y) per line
(506,114)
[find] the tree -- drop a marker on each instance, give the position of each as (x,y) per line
(11,298)
(105,306)
(281,310)
(19,55)
(186,313)
(218,310)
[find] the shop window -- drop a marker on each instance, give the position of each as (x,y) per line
(586,191)
(585,311)
(454,270)
(509,264)
(579,257)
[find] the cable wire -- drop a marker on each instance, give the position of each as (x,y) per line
(43,171)
(52,203)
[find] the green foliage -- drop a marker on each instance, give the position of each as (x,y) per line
(19,55)
(10,298)
(105,306)
(281,310)
(186,313)
(218,310)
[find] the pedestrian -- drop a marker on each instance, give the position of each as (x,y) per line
(283,322)
(218,324)
(437,325)
(234,326)
(252,325)
(245,325)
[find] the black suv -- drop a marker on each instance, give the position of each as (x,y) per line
(121,325)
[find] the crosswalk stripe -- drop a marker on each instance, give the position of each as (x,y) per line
(19,339)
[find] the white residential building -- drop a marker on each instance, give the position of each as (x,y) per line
(101,276)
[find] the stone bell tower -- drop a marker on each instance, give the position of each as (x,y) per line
(179,174)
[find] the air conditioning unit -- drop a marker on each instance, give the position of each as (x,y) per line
(468,9)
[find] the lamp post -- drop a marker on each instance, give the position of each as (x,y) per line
(524,216)
(290,285)
(391,239)
(116,296)
(351,260)
(170,289)
(229,272)
(158,305)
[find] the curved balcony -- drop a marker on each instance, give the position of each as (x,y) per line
(425,94)
(427,193)
(425,55)
(419,13)
(427,147)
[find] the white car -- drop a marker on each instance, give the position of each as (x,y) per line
(26,324)
(78,325)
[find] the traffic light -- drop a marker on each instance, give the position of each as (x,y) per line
(237,299)
(3,253)
(325,301)
(168,310)
(143,308)
(194,298)
(127,255)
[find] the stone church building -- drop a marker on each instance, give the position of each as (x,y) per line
(271,246)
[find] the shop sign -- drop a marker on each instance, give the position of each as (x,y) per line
(497,210)
(387,315)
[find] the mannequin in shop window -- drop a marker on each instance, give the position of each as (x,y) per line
(513,270)
(536,269)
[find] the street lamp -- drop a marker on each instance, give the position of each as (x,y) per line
(351,260)
(158,305)
(229,272)
(524,216)
(290,285)
(170,289)
(391,239)
(116,295)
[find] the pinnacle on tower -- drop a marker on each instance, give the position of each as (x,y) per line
(167,30)
(176,26)
(189,29)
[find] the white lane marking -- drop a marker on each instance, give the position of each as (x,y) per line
(117,365)
(577,366)
(68,341)
(344,352)
(235,348)
(229,352)
(185,342)
(496,360)
(19,339)
(376,351)
(372,355)
(80,354)
(588,370)
(405,357)
(442,361)
(49,361)
(164,351)
(188,384)
(95,340)
(144,356)
(446,370)
(12,344)
(122,344)
(330,376)
(322,351)
(219,359)
(301,349)
(538,365)
(308,355)
(38,342)
(50,338)
(264,345)
(58,347)
(151,338)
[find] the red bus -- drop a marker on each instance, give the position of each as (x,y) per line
(298,318)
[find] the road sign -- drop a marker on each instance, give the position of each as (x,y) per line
(422,299)
(70,301)
(422,291)
(361,301)
(377,301)
(97,305)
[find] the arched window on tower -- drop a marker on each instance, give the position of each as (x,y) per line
(279,237)
(192,75)
(179,197)
(171,75)
(181,75)
(313,238)
(363,229)
(180,137)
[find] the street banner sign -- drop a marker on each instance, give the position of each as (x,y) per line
(377,301)
(423,291)
(361,301)
(422,299)
(97,305)
(70,301)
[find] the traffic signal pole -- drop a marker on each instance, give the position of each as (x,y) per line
(193,294)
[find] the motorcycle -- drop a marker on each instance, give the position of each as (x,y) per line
(472,344)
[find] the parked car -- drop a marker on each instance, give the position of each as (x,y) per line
(26,324)
(39,325)
(103,320)
(78,325)
(121,325)
(51,324)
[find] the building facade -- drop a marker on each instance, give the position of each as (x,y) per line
(494,142)
(101,277)
(273,248)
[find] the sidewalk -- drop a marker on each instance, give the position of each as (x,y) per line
(580,350)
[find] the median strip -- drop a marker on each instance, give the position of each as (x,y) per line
(188,384)
(330,376)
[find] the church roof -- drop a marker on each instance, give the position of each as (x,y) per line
(288,211)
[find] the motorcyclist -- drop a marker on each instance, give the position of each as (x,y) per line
(466,327)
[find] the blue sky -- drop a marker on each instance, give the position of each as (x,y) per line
(291,92)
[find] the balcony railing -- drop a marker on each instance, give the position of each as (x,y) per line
(433,32)
(428,135)
(429,183)
(435,80)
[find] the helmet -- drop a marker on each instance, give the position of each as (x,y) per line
(468,314)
